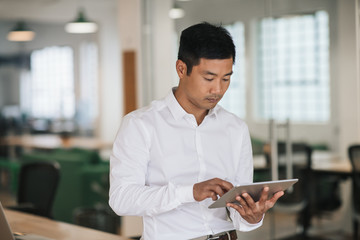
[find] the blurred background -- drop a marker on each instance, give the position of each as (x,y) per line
(64,90)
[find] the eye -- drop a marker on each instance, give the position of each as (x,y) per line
(226,79)
(208,79)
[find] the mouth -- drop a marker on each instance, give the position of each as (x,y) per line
(212,99)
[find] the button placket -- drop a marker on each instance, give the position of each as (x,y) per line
(202,172)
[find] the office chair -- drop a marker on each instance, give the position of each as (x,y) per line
(38,182)
(354,156)
(297,200)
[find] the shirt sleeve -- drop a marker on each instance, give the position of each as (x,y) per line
(245,169)
(129,194)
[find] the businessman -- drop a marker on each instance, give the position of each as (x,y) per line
(173,158)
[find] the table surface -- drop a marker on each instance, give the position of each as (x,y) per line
(322,161)
(52,141)
(31,224)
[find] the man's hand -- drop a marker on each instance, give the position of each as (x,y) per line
(252,211)
(211,189)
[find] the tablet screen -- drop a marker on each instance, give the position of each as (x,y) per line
(254,189)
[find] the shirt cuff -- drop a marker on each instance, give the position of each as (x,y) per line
(185,194)
(245,227)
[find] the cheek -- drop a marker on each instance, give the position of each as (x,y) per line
(225,86)
(199,86)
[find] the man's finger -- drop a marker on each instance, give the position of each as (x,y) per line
(216,189)
(227,185)
(242,201)
(248,199)
(237,207)
(264,195)
(214,196)
(276,196)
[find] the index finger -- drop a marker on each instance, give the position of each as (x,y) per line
(226,185)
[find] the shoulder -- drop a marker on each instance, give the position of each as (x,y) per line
(230,118)
(145,114)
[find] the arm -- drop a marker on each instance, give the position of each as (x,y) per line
(129,194)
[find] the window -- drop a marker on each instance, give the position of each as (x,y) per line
(52,83)
(234,98)
(292,79)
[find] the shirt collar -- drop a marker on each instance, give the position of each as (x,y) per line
(175,108)
(214,111)
(178,112)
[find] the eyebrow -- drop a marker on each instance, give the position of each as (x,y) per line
(214,74)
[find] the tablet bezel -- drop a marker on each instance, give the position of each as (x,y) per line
(254,189)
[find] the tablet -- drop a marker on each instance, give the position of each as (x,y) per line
(254,189)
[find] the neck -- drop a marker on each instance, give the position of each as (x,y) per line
(200,117)
(198,113)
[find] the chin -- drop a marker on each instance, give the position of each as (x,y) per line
(211,107)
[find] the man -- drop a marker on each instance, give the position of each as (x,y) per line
(172,159)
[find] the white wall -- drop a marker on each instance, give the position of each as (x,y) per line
(347,79)
(111,90)
(130,29)
(163,54)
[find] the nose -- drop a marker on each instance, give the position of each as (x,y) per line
(216,87)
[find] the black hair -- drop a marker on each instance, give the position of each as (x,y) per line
(204,40)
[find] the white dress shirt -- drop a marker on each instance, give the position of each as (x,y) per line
(159,154)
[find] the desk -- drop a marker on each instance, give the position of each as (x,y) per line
(27,223)
(51,141)
(329,163)
(322,162)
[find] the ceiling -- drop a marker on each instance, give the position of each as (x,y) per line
(51,10)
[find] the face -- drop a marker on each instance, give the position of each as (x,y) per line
(206,84)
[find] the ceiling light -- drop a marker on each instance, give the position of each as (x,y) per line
(176,12)
(81,25)
(21,33)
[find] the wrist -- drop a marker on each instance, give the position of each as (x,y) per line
(185,193)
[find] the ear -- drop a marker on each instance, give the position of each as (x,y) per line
(181,68)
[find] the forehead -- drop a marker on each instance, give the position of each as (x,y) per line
(215,65)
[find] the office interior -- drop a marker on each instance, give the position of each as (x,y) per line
(130,61)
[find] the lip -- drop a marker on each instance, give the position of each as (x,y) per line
(212,100)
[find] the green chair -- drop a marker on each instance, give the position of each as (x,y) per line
(82,175)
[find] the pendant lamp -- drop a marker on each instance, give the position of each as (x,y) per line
(21,33)
(81,24)
(176,12)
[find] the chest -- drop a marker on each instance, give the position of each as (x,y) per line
(184,154)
